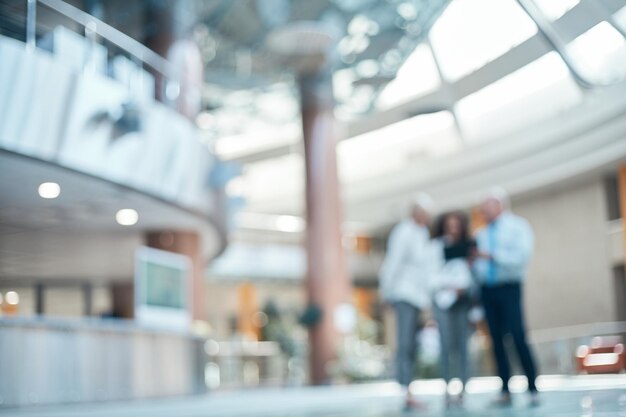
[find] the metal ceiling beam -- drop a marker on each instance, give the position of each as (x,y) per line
(576,22)
(551,35)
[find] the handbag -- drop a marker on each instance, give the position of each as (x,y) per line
(454,275)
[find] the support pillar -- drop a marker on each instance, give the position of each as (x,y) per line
(621,186)
(87,299)
(40,299)
(123,300)
(327,280)
(190,245)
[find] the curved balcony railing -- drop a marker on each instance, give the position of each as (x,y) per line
(97,32)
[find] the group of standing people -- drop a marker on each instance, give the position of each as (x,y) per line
(445,269)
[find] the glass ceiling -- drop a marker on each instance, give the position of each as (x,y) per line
(538,86)
(473,32)
(536,92)
(376,39)
(468,35)
(601,53)
(419,75)
(554,9)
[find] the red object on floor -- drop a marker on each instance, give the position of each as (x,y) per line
(605,355)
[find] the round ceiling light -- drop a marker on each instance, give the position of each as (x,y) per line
(49,190)
(12,298)
(127,217)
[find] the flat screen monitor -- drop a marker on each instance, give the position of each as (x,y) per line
(162,282)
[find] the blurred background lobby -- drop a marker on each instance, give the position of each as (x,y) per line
(196,197)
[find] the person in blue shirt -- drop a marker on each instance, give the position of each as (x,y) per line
(504,250)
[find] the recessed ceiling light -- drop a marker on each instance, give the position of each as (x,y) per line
(49,190)
(127,217)
(12,298)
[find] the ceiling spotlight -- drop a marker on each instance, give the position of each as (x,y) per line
(127,217)
(49,190)
(12,298)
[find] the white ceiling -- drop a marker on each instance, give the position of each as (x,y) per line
(75,236)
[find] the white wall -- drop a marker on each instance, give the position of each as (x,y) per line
(570,279)
(27,299)
(64,302)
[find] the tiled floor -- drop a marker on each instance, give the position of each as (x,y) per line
(587,396)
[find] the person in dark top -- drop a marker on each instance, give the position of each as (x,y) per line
(452,289)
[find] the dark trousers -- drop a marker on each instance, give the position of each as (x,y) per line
(407,323)
(503,310)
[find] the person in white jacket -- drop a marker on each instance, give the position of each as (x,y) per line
(404,285)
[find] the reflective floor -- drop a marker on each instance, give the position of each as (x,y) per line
(585,396)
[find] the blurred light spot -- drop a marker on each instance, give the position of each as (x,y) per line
(127,217)
(368,68)
(12,298)
(407,10)
(236,187)
(172,91)
(49,190)
(518,383)
(251,375)
(260,319)
(205,121)
(359,25)
(483,385)
(212,377)
(289,224)
(428,387)
(345,318)
(455,387)
(211,347)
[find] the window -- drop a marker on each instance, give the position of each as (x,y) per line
(284,173)
(620,17)
(554,9)
(535,92)
(417,76)
(392,147)
(472,33)
(600,53)
(259,137)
